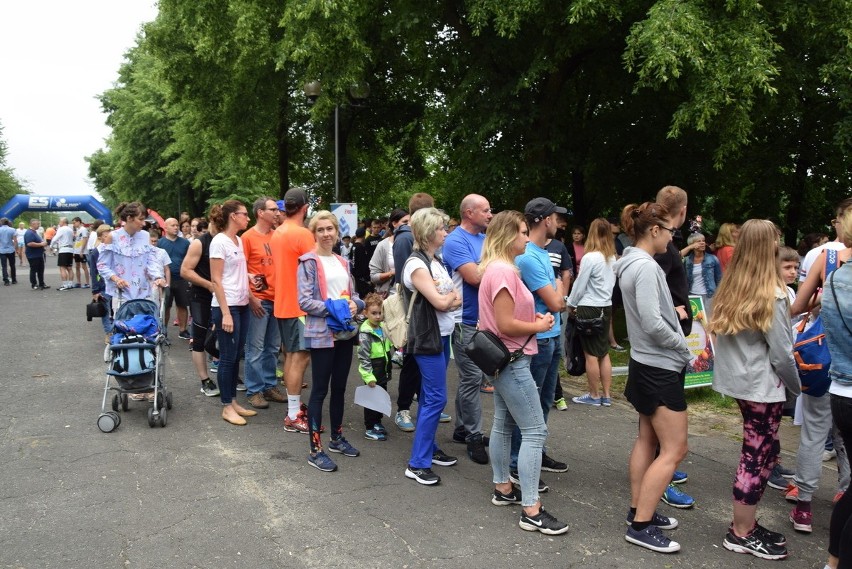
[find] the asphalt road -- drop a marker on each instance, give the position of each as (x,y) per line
(203,493)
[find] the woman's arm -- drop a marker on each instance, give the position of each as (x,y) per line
(508,325)
(582,280)
(190,262)
(810,285)
(306,283)
(379,269)
(217,268)
(425,285)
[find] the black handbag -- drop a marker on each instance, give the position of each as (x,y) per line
(589,326)
(96,309)
(490,354)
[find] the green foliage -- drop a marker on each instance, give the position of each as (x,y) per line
(10,185)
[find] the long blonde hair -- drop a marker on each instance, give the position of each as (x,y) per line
(726,235)
(501,233)
(600,239)
(745,299)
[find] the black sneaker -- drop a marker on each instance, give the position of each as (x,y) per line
(184,335)
(209,388)
(441,459)
(769,536)
(543,522)
(754,543)
(661,522)
(516,479)
(422,475)
(551,465)
(461,438)
(651,538)
(500,499)
(476,451)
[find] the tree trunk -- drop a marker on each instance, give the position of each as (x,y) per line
(282,145)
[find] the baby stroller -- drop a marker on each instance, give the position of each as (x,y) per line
(135,358)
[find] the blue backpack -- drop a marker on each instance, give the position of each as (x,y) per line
(810,350)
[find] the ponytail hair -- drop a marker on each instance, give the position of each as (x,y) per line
(637,220)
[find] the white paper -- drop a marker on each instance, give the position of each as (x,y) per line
(374,398)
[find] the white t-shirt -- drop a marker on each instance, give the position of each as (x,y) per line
(81,241)
(444,284)
(698,284)
(234,273)
(63,241)
(90,243)
(19,233)
(336,277)
(812,255)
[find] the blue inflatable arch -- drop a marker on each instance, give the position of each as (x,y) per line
(26,202)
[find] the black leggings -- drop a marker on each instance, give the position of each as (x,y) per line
(329,366)
(840,530)
(409,382)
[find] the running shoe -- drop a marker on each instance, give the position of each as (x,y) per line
(184,335)
(486,388)
(754,543)
(606,401)
(214,366)
(784,472)
(297,425)
(838,496)
(675,498)
(445,418)
(768,536)
(802,521)
(515,478)
(321,461)
(776,480)
(403,421)
(679,477)
(651,538)
(560,404)
(829,454)
(423,476)
(240,385)
(374,435)
(500,499)
(442,459)
(550,465)
(792,493)
(209,388)
(343,447)
(542,522)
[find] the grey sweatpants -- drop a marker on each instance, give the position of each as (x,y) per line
(816,423)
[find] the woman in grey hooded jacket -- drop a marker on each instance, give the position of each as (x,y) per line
(658,358)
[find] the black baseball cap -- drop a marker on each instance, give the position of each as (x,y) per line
(539,208)
(295,198)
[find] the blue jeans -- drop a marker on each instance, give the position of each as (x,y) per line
(432,399)
(517,407)
(544,367)
(263,341)
(106,319)
(230,346)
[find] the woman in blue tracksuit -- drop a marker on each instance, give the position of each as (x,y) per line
(703,271)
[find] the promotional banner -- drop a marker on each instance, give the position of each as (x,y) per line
(699,370)
(347,217)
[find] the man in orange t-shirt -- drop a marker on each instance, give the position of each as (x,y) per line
(263,339)
(289,242)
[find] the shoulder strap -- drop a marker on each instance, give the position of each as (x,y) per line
(830,263)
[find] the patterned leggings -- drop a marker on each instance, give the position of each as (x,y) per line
(760,449)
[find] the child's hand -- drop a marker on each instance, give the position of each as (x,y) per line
(372,384)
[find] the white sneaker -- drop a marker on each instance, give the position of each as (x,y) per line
(403,421)
(828,455)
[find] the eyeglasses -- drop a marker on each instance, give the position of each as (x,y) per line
(245,213)
(671,230)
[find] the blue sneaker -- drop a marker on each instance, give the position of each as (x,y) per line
(677,499)
(321,461)
(374,435)
(403,421)
(343,447)
(658,520)
(445,418)
(379,428)
(587,399)
(606,401)
(679,477)
(214,366)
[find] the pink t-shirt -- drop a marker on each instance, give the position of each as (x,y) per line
(498,276)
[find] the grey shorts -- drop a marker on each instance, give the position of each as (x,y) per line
(292,334)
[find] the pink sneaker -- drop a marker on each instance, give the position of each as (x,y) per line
(838,496)
(792,494)
(802,521)
(299,425)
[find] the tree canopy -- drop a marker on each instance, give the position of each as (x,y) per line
(593,103)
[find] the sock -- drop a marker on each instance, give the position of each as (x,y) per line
(640,526)
(633,512)
(294,404)
(803,506)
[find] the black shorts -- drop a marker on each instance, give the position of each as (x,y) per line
(178,294)
(80,258)
(200,310)
(65,260)
(649,387)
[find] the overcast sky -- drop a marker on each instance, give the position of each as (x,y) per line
(56,56)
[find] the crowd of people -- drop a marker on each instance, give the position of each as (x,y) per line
(289,285)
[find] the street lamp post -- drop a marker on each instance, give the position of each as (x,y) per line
(358,93)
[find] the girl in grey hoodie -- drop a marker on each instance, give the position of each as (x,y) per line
(658,359)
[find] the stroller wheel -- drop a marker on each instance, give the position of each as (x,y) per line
(115,402)
(163,412)
(151,420)
(168,399)
(117,418)
(161,400)
(107,422)
(124,404)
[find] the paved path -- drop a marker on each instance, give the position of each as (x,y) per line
(202,493)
